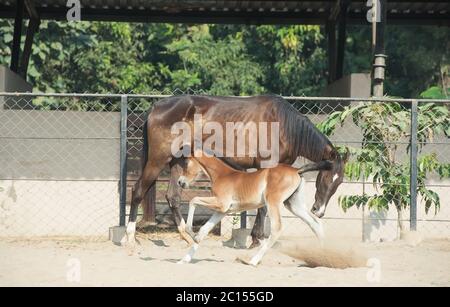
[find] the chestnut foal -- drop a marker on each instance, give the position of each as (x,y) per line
(235,191)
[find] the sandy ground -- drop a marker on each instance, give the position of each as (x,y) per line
(79,263)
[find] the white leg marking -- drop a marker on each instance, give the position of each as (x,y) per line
(131,227)
(275,232)
(262,250)
(130,236)
(209,225)
(203,232)
(188,257)
(297,206)
(265,246)
(190,219)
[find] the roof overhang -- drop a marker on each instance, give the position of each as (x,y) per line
(433,12)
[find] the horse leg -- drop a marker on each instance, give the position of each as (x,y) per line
(208,202)
(173,197)
(146,180)
(211,203)
(190,218)
(297,206)
(258,227)
(203,232)
(275,231)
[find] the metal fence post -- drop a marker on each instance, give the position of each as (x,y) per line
(123,158)
(413,171)
(244,219)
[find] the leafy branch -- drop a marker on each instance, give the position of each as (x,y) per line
(385,126)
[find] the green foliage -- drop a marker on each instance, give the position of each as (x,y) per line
(293,58)
(219,59)
(434,92)
(6,37)
(236,220)
(223,64)
(415,58)
(416,55)
(384,126)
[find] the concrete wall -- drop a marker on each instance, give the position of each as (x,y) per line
(354,85)
(12,82)
(58,208)
(59,145)
(59,172)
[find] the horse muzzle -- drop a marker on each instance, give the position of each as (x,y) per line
(320,212)
(182,182)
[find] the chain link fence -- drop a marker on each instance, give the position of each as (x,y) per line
(59,165)
(388,139)
(68,163)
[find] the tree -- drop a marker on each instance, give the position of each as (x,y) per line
(222,66)
(384,126)
(416,56)
(293,58)
(220,59)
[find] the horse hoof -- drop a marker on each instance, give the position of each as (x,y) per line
(245,261)
(184,261)
(254,244)
(131,249)
(130,246)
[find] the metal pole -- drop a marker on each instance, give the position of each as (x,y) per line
(379,57)
(413,164)
(15,48)
(123,158)
(33,27)
(364,239)
(342,37)
(375,17)
(331,32)
(244,219)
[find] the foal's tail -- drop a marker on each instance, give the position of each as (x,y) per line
(317,166)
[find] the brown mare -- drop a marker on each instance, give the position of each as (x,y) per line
(298,137)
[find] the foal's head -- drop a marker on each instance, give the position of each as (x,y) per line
(190,170)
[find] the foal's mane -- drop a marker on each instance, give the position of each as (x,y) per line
(302,137)
(218,162)
(214,167)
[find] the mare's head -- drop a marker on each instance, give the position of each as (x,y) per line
(331,175)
